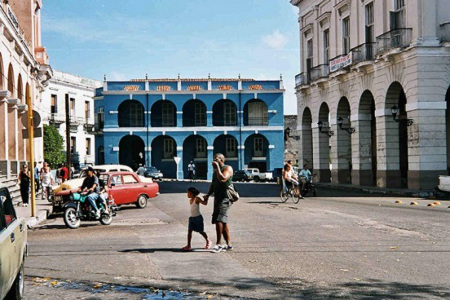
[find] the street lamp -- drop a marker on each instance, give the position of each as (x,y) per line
(394,111)
(321,129)
(341,122)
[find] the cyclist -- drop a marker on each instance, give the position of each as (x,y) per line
(289,177)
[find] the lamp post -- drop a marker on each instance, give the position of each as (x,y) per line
(341,122)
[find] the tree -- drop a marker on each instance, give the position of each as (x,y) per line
(53,146)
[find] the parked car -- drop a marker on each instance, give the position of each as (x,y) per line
(76,182)
(123,187)
(260,176)
(13,248)
(153,173)
(242,175)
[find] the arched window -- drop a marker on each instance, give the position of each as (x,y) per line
(131,114)
(11,80)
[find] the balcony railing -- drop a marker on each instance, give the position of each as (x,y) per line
(364,52)
(445,32)
(320,71)
(57,118)
(301,79)
(396,38)
(341,62)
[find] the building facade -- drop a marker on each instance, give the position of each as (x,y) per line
(152,121)
(24,72)
(291,139)
(80,92)
(373,92)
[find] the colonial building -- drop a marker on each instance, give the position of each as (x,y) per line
(291,139)
(24,71)
(152,121)
(373,92)
(79,92)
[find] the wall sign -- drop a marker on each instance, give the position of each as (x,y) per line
(131,88)
(194,88)
(340,62)
(163,88)
(255,87)
(225,87)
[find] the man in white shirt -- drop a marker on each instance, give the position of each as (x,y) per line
(191,169)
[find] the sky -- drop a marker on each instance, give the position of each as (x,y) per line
(127,39)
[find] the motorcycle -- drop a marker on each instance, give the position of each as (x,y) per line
(309,187)
(78,209)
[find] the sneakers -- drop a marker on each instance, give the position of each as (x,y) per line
(229,248)
(97,214)
(218,248)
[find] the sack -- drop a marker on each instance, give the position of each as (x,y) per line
(232,193)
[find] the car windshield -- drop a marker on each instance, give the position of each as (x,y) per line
(83,173)
(104,178)
(151,169)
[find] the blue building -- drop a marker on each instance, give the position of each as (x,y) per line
(151,121)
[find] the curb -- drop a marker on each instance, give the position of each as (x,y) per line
(41,217)
(371,190)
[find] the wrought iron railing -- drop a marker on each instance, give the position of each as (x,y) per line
(320,71)
(301,79)
(396,38)
(445,32)
(364,52)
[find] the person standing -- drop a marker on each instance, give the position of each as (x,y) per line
(196,218)
(64,173)
(36,177)
(191,169)
(222,176)
(47,181)
(24,182)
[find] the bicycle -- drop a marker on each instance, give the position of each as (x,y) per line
(289,192)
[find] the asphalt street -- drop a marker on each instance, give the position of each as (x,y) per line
(341,244)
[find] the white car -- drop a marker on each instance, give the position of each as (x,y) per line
(260,176)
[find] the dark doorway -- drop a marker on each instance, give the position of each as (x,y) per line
(131,151)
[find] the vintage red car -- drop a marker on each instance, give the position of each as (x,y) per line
(123,187)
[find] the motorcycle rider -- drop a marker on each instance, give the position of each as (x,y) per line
(305,176)
(91,186)
(103,198)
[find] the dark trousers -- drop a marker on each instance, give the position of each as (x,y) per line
(36,185)
(25,193)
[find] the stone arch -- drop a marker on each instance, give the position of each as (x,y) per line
(256,113)
(307,140)
(131,151)
(131,114)
(164,149)
(164,114)
(195,149)
(194,113)
(256,154)
(341,173)
(20,88)
(366,172)
(225,113)
(322,152)
(11,85)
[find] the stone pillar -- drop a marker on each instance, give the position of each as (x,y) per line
(180,164)
(209,118)
(321,154)
(209,162)
(148,155)
(241,149)
(179,118)
(426,144)
(362,173)
(388,160)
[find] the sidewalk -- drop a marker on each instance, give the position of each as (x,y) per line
(380,190)
(43,210)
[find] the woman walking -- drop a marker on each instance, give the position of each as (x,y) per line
(47,180)
(24,182)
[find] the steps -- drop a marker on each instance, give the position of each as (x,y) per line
(13,187)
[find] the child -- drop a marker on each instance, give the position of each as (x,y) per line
(196,219)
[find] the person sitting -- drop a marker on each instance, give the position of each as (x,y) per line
(91,186)
(290,178)
(103,198)
(305,176)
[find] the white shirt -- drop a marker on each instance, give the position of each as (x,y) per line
(195,209)
(191,167)
(47,178)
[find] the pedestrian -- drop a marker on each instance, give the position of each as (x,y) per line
(196,218)
(222,178)
(64,173)
(305,176)
(141,170)
(47,181)
(24,182)
(191,169)
(36,178)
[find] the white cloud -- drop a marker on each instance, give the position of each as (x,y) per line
(276,40)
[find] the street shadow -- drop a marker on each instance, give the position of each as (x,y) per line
(291,288)
(62,226)
(152,250)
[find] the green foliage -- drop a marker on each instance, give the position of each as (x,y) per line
(53,146)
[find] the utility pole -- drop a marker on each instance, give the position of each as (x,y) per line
(68,135)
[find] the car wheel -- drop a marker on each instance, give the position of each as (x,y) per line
(257,179)
(142,201)
(17,290)
(71,218)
